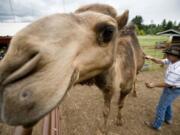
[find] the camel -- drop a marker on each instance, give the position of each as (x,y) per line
(129,31)
(49,56)
(127,61)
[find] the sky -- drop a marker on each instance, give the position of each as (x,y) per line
(152,11)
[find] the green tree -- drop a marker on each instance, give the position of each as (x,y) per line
(169,25)
(163,25)
(175,25)
(143,29)
(178,26)
(138,20)
(139,31)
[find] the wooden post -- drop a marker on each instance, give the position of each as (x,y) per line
(22,131)
(51,125)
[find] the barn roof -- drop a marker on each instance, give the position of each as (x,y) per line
(170,32)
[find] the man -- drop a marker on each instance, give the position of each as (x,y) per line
(171,86)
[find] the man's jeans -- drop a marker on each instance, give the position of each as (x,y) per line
(164,110)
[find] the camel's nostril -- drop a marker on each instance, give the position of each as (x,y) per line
(25,95)
(26,100)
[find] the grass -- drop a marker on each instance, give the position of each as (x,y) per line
(151,40)
(148,44)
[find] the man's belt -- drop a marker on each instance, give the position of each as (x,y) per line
(174,87)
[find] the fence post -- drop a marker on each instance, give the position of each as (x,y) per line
(51,125)
(22,131)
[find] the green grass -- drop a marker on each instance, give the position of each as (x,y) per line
(151,40)
(148,44)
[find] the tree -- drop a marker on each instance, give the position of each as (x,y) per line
(152,28)
(163,25)
(169,25)
(179,26)
(138,20)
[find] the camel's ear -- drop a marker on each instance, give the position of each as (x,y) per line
(122,19)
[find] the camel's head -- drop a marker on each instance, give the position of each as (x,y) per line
(49,56)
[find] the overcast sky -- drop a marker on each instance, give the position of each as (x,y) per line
(152,11)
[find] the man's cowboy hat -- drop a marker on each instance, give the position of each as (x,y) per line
(173,50)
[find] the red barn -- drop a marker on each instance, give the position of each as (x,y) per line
(4,42)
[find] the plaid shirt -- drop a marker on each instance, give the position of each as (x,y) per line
(172,76)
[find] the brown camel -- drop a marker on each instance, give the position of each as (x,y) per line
(129,32)
(127,61)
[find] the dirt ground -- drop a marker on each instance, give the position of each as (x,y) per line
(81,111)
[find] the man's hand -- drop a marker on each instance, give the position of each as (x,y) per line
(153,59)
(150,85)
(148,57)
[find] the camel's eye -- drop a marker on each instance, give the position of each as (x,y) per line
(104,32)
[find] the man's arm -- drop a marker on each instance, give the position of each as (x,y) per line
(159,85)
(155,60)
